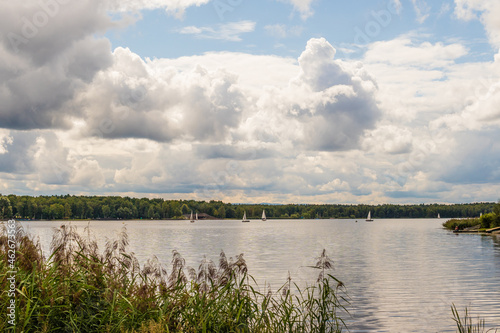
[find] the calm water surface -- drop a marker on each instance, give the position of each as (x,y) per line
(401,275)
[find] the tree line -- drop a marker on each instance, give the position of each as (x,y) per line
(116,207)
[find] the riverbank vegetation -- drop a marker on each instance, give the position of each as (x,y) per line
(99,207)
(80,289)
(486,221)
(462,224)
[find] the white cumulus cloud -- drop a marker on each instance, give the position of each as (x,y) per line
(488,11)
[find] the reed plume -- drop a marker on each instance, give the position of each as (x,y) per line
(81,289)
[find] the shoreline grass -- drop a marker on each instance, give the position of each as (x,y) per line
(80,289)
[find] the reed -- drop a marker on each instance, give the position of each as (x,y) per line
(465,323)
(81,289)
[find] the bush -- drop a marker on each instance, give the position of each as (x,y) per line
(487,220)
(461,223)
(496,221)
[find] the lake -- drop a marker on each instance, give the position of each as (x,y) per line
(401,275)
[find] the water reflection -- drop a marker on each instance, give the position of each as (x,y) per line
(401,275)
(496,242)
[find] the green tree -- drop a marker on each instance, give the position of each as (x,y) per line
(32,208)
(106,212)
(21,208)
(184,209)
(5,208)
(67,211)
(496,222)
(56,211)
(221,212)
(165,209)
(496,209)
(230,213)
(487,220)
(144,208)
(152,213)
(496,218)
(124,213)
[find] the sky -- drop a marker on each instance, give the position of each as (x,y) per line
(262,101)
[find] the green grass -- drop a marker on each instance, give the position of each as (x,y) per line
(80,289)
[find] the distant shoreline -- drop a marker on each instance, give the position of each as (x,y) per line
(230,219)
(68,207)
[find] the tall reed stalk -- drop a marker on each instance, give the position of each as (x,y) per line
(466,324)
(80,289)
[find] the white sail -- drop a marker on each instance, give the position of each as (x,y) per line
(264,215)
(369,217)
(245,217)
(192,216)
(439,216)
(196,215)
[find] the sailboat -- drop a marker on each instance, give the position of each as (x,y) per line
(264,215)
(439,216)
(192,220)
(245,217)
(196,216)
(369,218)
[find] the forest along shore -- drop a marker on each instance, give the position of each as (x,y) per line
(69,207)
